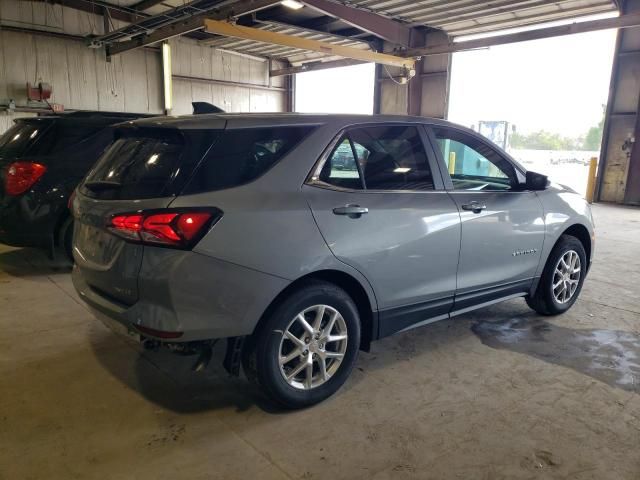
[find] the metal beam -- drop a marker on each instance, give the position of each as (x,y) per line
(190,24)
(313,66)
(624,21)
(97,7)
(383,27)
(229,30)
(228,83)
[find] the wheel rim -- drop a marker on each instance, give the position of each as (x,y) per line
(313,347)
(566,276)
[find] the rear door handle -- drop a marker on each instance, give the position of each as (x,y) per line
(352,211)
(474,207)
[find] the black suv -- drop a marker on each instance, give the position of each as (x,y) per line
(42,159)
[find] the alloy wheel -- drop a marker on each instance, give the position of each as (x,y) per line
(566,276)
(313,347)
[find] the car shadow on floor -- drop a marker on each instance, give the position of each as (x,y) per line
(610,356)
(167,379)
(32,262)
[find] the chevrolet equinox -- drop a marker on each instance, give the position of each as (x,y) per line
(301,238)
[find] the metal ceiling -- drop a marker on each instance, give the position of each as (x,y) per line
(456,17)
(465,17)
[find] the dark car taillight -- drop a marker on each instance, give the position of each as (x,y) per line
(21,176)
(179,228)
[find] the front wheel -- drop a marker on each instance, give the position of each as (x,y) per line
(562,278)
(308,346)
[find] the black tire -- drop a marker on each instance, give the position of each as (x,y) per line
(261,360)
(543,301)
(66,238)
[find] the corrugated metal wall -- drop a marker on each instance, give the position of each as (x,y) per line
(255,94)
(132,82)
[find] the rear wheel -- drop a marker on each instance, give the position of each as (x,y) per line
(308,346)
(562,278)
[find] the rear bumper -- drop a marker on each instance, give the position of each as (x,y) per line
(199,296)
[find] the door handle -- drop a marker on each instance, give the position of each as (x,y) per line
(474,207)
(352,211)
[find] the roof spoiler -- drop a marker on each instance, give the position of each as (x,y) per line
(204,107)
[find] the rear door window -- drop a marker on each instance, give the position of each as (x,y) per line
(240,156)
(379,158)
(341,169)
(147,164)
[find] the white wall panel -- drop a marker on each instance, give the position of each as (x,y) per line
(192,59)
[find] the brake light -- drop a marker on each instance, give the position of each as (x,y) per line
(172,228)
(21,176)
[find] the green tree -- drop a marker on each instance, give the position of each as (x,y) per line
(543,140)
(593,139)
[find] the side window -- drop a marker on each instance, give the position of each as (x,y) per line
(240,156)
(472,164)
(341,169)
(392,158)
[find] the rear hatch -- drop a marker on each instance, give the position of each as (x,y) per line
(21,143)
(144,169)
(65,144)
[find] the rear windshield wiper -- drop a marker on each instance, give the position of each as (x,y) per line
(102,185)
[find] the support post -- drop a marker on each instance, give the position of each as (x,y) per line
(591,179)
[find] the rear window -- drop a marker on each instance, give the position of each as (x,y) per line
(18,138)
(61,136)
(42,138)
(240,156)
(147,163)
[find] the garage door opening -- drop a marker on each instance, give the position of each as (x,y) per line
(336,90)
(542,100)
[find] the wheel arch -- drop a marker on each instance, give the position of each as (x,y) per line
(351,285)
(580,232)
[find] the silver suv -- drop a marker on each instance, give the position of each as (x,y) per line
(302,238)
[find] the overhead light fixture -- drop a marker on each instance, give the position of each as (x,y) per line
(402,170)
(292,4)
(167,78)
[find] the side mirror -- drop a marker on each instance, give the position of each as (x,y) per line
(536,181)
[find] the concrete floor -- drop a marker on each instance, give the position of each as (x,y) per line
(500,393)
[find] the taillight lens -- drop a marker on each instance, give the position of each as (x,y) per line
(171,228)
(21,176)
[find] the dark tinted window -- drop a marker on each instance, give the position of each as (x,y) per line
(241,156)
(19,138)
(392,158)
(45,137)
(61,136)
(147,164)
(341,169)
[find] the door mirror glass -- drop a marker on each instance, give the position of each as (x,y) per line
(536,181)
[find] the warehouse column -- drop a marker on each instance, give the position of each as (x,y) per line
(425,94)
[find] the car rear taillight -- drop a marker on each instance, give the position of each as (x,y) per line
(179,228)
(21,176)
